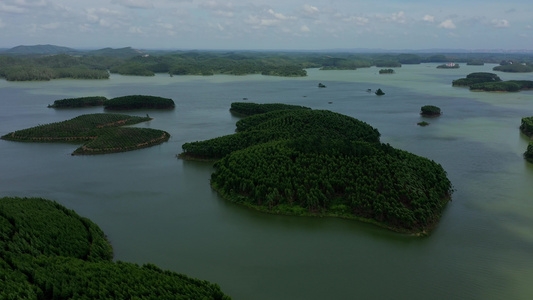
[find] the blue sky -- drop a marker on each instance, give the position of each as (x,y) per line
(268,24)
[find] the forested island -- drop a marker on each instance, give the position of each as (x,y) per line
(100,134)
(386,71)
(319,163)
(430,111)
(49,252)
(79,102)
(118,103)
(47,62)
(139,102)
(515,68)
(490,82)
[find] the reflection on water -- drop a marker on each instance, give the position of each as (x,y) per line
(156,208)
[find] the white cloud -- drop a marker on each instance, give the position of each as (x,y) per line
(429,18)
(310,11)
(167,26)
(103,16)
(280,16)
(31,3)
(500,23)
(48,26)
(135,30)
(269,22)
(398,17)
(224,13)
(214,5)
(304,28)
(448,24)
(361,21)
(219,8)
(135,3)
(4,8)
(85,28)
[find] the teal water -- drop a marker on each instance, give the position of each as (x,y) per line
(156,208)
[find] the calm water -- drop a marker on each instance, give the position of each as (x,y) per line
(156,208)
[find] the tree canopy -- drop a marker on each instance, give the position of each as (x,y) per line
(100,133)
(49,252)
(315,162)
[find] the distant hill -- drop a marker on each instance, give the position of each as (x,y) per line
(40,50)
(52,50)
(121,52)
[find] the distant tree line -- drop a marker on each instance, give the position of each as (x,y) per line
(98,66)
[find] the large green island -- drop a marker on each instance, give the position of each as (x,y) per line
(490,82)
(298,161)
(100,133)
(49,252)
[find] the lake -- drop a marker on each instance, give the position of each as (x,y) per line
(160,209)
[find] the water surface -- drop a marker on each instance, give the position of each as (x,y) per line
(156,208)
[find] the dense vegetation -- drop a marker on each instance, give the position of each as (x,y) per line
(50,252)
(527,126)
(503,86)
(248,109)
(477,77)
(387,63)
(320,163)
(515,68)
(430,111)
(79,102)
(138,102)
(101,133)
(379,92)
(475,62)
(482,81)
(52,67)
(281,124)
(127,61)
(337,63)
(528,155)
(386,71)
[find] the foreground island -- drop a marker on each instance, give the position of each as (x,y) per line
(527,128)
(99,133)
(320,163)
(49,252)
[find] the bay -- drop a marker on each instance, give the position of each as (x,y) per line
(160,209)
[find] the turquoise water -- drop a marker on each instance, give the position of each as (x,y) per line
(156,208)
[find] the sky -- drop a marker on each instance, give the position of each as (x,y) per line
(269,24)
